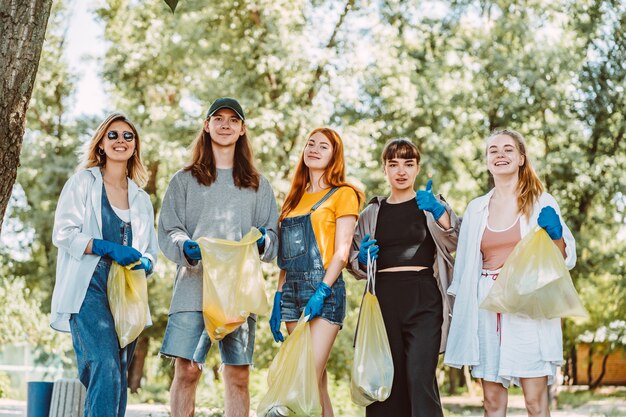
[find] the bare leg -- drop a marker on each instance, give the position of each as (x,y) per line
(536,396)
(183,389)
(237,396)
(323,336)
(495,399)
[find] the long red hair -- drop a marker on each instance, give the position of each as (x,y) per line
(334,174)
(529,186)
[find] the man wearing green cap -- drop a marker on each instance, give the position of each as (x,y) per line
(219,194)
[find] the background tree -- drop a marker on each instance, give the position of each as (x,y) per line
(22,30)
(441,73)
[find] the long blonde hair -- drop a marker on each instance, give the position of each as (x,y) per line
(334,174)
(529,186)
(135,169)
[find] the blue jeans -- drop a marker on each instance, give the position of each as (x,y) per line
(102,365)
(300,256)
(185,337)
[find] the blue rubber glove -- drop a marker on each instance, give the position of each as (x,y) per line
(275,318)
(121,254)
(192,250)
(366,244)
(261,241)
(426,200)
(550,221)
(316,302)
(144,264)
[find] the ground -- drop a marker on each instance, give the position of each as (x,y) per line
(454,406)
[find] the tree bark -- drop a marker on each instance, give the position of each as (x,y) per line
(135,371)
(595,384)
(22,31)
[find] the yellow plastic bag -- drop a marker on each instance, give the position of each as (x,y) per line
(232,284)
(535,282)
(127,291)
(372,368)
(292,380)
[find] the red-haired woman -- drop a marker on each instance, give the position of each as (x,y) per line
(505,348)
(316,226)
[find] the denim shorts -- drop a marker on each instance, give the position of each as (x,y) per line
(297,292)
(186,337)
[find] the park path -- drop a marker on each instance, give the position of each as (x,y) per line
(465,406)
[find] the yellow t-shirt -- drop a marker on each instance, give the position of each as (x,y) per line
(343,202)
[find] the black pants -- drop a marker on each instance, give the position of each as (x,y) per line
(413,313)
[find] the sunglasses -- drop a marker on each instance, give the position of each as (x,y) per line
(128,136)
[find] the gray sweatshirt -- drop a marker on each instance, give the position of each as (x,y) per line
(191,210)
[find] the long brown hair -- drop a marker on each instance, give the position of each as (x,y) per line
(135,169)
(529,186)
(202,164)
(334,174)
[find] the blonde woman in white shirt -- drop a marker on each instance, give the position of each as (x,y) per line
(505,348)
(102,216)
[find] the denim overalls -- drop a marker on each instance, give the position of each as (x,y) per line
(299,255)
(102,365)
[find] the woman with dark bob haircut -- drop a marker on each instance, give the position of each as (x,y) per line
(411,236)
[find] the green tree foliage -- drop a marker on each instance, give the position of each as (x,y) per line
(441,73)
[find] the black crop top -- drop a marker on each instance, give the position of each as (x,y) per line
(403,236)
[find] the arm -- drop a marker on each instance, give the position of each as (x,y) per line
(268,218)
(359,232)
(562,238)
(344,229)
(343,238)
(446,234)
(281,280)
(461,253)
(152,252)
(172,225)
(275,318)
(69,218)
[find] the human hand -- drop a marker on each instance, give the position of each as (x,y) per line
(275,318)
(121,254)
(427,201)
(550,221)
(367,244)
(316,302)
(144,263)
(192,250)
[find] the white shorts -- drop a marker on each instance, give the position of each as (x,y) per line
(509,345)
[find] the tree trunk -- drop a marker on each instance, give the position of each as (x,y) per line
(590,364)
(135,371)
(595,384)
(470,385)
(22,31)
(573,369)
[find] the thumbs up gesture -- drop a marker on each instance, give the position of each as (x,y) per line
(427,201)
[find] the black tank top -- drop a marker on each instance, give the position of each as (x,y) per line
(403,236)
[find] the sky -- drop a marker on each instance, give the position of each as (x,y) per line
(85,44)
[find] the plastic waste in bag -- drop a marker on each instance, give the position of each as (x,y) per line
(127,291)
(535,282)
(232,283)
(372,368)
(292,379)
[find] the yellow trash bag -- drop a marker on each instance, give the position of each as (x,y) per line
(127,291)
(535,282)
(232,283)
(292,380)
(372,368)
